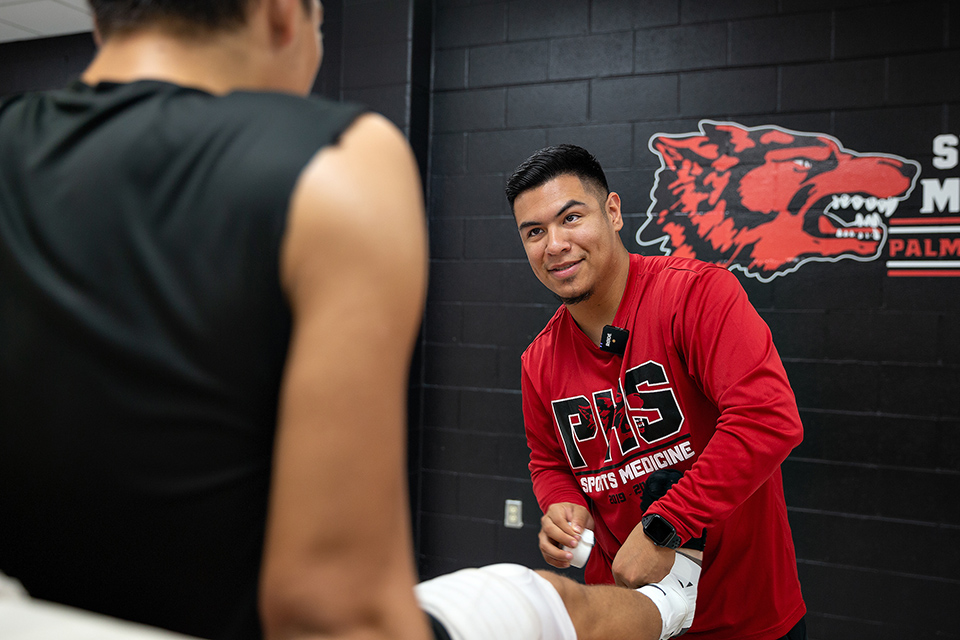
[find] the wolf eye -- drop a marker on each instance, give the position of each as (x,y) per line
(803,163)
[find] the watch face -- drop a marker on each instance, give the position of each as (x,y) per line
(658,529)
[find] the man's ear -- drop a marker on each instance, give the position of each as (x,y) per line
(283,18)
(612,208)
(97,38)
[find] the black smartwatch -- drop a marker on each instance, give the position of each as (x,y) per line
(660,531)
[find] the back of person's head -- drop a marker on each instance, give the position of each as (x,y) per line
(186,16)
(552,162)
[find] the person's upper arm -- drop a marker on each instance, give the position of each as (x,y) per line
(338,558)
(729,351)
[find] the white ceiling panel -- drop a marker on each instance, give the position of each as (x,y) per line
(79,4)
(9,33)
(26,19)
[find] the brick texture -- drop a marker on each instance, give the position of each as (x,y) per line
(874,360)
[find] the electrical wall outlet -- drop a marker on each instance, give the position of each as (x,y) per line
(513,514)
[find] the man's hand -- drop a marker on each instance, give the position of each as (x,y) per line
(640,561)
(561,526)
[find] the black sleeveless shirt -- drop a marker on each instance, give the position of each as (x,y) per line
(143,333)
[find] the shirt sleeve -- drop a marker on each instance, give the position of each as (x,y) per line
(553,480)
(729,352)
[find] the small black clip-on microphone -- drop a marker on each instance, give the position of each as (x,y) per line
(614,339)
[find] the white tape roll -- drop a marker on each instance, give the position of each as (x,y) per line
(582,551)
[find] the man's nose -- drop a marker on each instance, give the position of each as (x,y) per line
(556,241)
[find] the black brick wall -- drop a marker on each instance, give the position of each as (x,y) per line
(872,490)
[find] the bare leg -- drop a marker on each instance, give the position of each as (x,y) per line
(602,612)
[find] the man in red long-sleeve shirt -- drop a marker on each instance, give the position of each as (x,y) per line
(654,363)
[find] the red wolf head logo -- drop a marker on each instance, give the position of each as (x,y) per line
(766,200)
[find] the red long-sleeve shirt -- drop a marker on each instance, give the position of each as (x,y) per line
(700,388)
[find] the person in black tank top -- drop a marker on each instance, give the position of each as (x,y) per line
(189,252)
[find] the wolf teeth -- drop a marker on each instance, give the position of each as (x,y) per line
(886,206)
(860,234)
(870,220)
(863,227)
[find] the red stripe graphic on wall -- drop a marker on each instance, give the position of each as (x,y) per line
(924,247)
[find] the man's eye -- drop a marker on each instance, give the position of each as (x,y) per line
(534,232)
(572,217)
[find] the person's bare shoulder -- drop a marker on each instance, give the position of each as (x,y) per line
(361,201)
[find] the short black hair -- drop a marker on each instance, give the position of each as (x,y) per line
(552,162)
(115,16)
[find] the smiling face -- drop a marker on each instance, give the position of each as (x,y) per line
(569,233)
